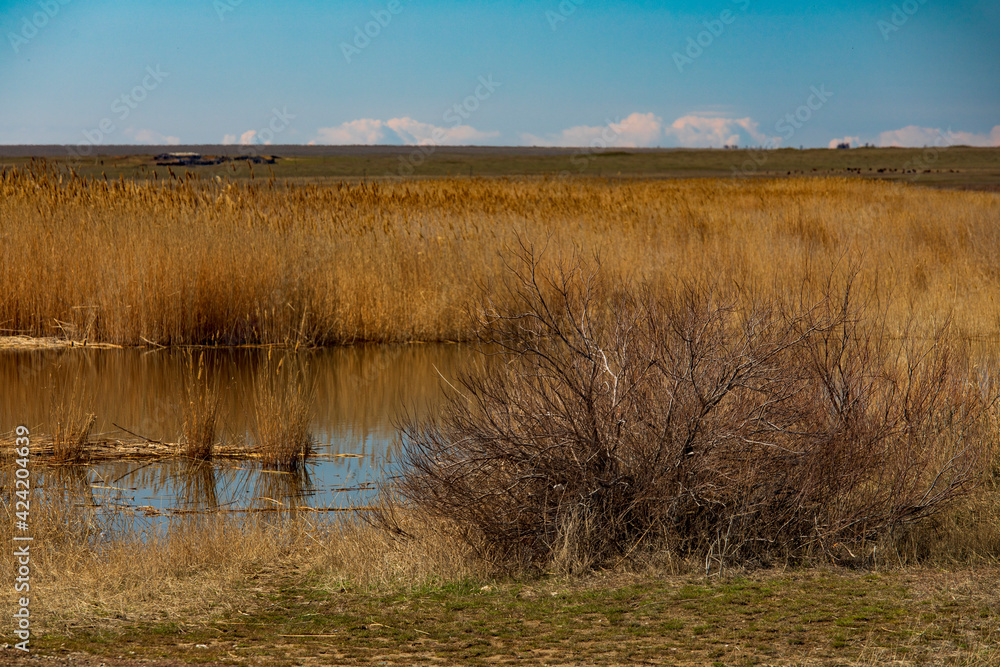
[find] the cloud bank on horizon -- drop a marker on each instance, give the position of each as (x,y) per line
(405,131)
(637,130)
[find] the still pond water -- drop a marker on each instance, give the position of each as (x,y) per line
(360,394)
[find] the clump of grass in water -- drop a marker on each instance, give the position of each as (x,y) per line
(201,411)
(281,407)
(72,424)
(69,442)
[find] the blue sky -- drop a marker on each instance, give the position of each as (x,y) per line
(533,72)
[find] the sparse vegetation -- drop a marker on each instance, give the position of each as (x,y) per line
(952,166)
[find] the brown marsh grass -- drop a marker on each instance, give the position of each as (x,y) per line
(71,437)
(191,261)
(102,576)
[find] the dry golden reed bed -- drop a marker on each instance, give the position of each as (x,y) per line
(189,262)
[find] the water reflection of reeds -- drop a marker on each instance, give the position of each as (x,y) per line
(198,487)
(71,481)
(359,391)
(75,502)
(281,490)
(189,486)
(172,483)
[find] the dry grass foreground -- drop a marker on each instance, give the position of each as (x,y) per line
(251,591)
(297,589)
(191,261)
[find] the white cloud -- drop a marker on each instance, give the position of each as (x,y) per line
(407,131)
(246,139)
(916,136)
(641,130)
(693,131)
(362,131)
(637,130)
(413,132)
(153,137)
(853,141)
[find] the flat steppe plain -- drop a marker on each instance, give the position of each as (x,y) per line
(953,166)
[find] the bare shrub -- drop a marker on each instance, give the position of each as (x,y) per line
(708,421)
